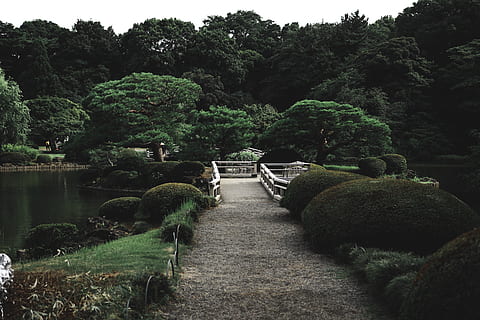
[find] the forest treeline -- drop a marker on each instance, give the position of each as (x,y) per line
(418,72)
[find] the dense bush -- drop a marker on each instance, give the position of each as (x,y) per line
(372,167)
(130,160)
(306,186)
(44,158)
(280,156)
(158,172)
(448,285)
(51,236)
(120,179)
(182,217)
(16,158)
(188,168)
(396,164)
(31,153)
(386,213)
(242,156)
(122,208)
(166,198)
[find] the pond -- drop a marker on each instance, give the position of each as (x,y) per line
(28,199)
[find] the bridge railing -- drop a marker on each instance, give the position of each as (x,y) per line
(275,177)
(237,169)
(214,183)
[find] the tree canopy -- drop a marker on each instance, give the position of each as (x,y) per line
(318,129)
(14,114)
(129,107)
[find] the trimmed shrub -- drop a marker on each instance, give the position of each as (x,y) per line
(386,213)
(51,236)
(120,179)
(15,158)
(372,167)
(306,186)
(397,290)
(166,198)
(130,160)
(396,164)
(157,173)
(344,168)
(448,285)
(183,216)
(188,168)
(122,208)
(43,158)
(314,166)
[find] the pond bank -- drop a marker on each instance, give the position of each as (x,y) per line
(43,167)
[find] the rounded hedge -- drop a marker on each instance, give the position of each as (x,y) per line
(372,167)
(16,158)
(43,158)
(51,236)
(448,285)
(122,208)
(130,160)
(386,213)
(121,179)
(165,198)
(396,163)
(306,186)
(188,168)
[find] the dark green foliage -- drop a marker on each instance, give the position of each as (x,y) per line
(396,164)
(122,208)
(372,167)
(448,285)
(386,213)
(44,158)
(306,186)
(397,290)
(166,198)
(158,290)
(280,156)
(120,179)
(184,217)
(158,172)
(51,236)
(130,160)
(188,168)
(16,158)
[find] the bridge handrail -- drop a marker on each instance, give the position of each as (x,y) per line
(214,184)
(275,185)
(233,169)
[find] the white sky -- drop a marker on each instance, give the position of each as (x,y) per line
(122,14)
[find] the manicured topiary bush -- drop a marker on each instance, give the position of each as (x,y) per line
(372,167)
(188,168)
(448,285)
(120,179)
(123,208)
(304,187)
(16,158)
(51,236)
(396,164)
(386,213)
(130,160)
(43,158)
(166,198)
(156,173)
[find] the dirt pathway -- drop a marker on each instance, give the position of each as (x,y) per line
(249,261)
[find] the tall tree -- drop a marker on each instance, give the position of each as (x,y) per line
(14,114)
(218,132)
(157,46)
(318,129)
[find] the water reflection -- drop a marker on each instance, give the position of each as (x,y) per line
(31,198)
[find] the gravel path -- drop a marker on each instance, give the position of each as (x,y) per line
(249,261)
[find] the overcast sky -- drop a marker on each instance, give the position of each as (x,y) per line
(122,14)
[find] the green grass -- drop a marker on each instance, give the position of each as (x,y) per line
(129,255)
(354,169)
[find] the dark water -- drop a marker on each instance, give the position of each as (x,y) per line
(28,199)
(450,178)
